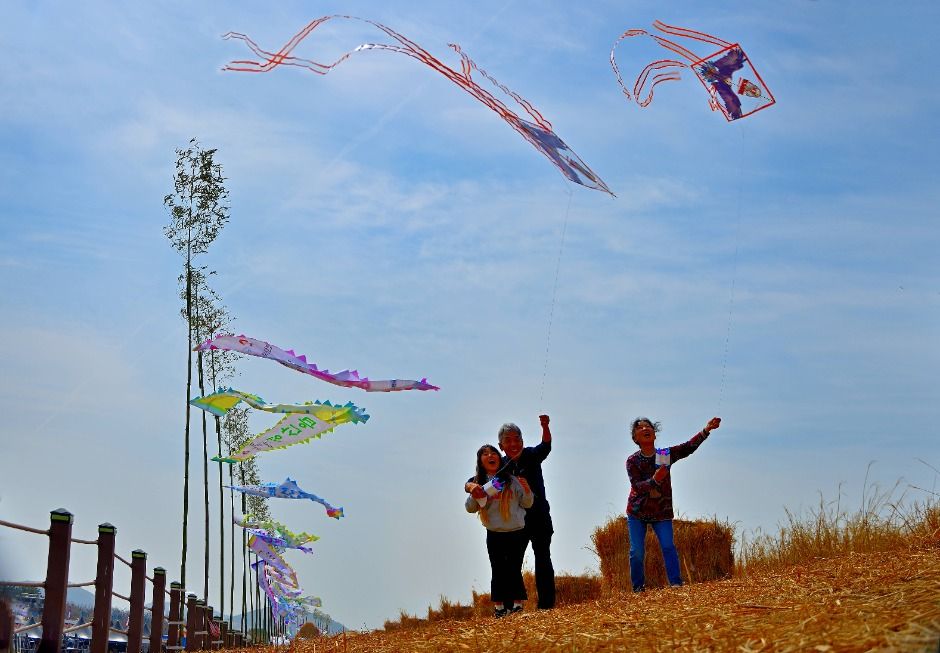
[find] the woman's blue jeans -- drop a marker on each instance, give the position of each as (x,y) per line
(663,530)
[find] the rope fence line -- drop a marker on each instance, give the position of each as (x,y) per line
(75,540)
(28,529)
(25,628)
(120,596)
(123,560)
(88,584)
(78,627)
(25,583)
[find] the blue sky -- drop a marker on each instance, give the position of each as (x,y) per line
(779,271)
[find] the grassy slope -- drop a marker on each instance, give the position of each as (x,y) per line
(855,602)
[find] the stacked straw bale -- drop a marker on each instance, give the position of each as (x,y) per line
(569,589)
(308,631)
(704,546)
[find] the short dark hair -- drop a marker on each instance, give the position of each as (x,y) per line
(656,426)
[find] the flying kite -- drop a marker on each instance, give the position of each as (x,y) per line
(284,593)
(270,556)
(536,130)
(348,379)
(276,534)
(222,401)
(733,84)
(286,490)
(302,423)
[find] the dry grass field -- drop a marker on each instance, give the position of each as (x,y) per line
(828,581)
(856,602)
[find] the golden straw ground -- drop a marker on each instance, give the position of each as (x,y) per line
(857,602)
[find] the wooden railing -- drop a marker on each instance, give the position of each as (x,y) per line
(200,629)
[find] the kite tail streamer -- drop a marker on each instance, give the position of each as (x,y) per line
(613,60)
(331,511)
(690,34)
(468,63)
(657,79)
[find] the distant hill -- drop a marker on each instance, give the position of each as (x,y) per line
(75,595)
(80,597)
(324,622)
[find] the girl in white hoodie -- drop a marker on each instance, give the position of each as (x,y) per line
(503,514)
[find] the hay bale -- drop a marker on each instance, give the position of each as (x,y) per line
(704,546)
(308,631)
(569,589)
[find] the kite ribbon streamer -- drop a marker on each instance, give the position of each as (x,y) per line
(348,379)
(538,131)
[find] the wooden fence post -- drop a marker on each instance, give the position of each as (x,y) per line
(176,617)
(57,580)
(206,628)
(156,610)
(191,623)
(6,627)
(223,634)
(135,626)
(215,627)
(104,579)
(200,634)
(220,639)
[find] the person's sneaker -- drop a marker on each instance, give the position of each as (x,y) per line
(514,609)
(500,612)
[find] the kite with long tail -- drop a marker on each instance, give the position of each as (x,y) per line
(275,533)
(222,401)
(302,423)
(347,379)
(536,130)
(734,86)
(286,490)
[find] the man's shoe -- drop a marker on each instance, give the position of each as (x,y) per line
(514,609)
(500,612)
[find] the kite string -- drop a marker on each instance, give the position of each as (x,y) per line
(551,312)
(734,274)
